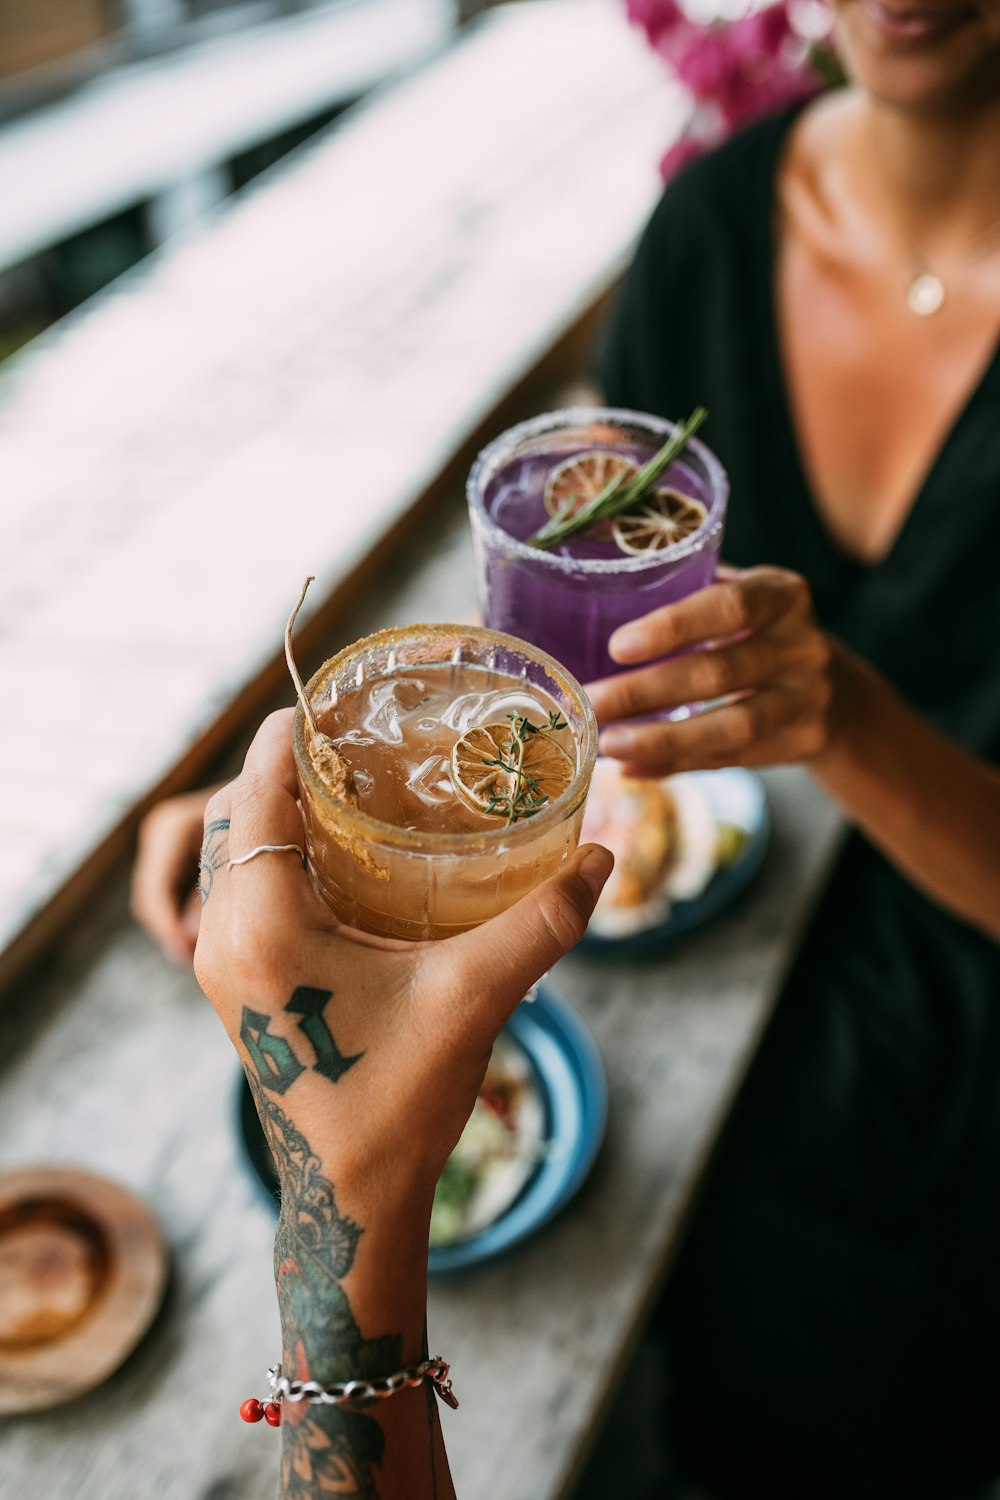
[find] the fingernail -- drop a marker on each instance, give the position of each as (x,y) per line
(595,867)
(628,642)
(616,742)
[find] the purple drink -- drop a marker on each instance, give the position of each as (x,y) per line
(571,600)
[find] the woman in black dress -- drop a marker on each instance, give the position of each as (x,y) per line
(828,285)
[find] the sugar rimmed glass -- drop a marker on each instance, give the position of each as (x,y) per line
(409,883)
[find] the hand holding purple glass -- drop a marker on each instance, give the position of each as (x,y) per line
(569,590)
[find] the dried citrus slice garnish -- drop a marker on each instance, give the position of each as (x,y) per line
(660,520)
(510,770)
(583,476)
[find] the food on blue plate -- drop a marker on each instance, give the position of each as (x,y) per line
(666,841)
(498,1152)
(730,843)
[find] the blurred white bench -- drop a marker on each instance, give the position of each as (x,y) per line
(272,394)
(158,131)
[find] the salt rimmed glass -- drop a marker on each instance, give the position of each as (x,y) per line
(570,605)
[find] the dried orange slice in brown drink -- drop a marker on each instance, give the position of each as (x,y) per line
(660,520)
(546,770)
(577,481)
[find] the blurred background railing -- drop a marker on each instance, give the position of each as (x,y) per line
(122,121)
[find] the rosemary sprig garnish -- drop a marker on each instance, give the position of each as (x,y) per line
(525,798)
(619,494)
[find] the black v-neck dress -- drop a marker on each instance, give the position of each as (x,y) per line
(835,1318)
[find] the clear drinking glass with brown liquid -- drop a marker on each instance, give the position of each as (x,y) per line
(469,755)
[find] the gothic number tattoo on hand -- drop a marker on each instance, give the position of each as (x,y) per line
(274,1059)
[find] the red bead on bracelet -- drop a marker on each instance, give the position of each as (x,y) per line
(252,1410)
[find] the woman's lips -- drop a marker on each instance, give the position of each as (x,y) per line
(905,22)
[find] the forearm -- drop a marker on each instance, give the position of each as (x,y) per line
(351,1276)
(929,805)
(369,1325)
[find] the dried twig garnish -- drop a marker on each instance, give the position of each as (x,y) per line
(327,761)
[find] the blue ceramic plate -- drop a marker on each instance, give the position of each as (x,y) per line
(734,796)
(569,1075)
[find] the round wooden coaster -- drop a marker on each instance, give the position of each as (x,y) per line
(83,1266)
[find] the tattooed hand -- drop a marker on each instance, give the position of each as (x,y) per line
(340,1023)
(365,1056)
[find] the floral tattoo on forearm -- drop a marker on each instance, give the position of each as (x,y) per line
(325,1450)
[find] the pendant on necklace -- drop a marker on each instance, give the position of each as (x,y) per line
(925,294)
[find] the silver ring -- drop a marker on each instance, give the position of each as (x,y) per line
(267,849)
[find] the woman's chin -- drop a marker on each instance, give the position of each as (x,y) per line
(921,54)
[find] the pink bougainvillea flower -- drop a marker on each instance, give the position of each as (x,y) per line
(656,17)
(734,70)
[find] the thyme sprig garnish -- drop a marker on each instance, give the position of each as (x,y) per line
(525,799)
(620,494)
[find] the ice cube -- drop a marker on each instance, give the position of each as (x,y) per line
(389,704)
(363,781)
(515,507)
(354,737)
(465,711)
(472,709)
(431,782)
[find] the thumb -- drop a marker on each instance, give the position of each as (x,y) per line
(499,961)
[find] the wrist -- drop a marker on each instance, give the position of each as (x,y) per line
(365,1246)
(352,1295)
(379,1191)
(850,687)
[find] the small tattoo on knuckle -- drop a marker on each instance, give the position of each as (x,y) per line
(214,854)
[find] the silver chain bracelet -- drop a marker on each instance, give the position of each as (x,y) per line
(348,1393)
(434,1370)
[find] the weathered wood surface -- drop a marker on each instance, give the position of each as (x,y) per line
(112,1060)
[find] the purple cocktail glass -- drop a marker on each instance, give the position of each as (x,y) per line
(571,600)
